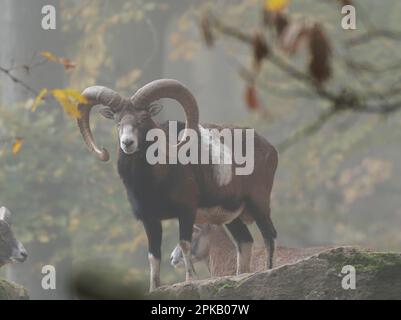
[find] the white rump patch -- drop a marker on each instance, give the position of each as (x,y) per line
(221,154)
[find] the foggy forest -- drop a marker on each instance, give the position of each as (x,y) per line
(328,99)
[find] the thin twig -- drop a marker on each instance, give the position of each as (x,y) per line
(8,73)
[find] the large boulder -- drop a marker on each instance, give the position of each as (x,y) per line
(12,291)
(378,276)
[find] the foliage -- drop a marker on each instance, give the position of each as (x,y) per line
(275,5)
(67,63)
(67,98)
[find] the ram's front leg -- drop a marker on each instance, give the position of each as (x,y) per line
(186,223)
(154,233)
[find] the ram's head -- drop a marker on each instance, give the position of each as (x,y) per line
(11,250)
(133,116)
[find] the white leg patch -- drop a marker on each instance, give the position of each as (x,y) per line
(154,272)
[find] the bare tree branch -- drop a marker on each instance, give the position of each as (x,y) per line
(375,101)
(343,99)
(8,73)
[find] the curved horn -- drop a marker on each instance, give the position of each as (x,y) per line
(97,95)
(173,89)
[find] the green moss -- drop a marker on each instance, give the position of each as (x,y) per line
(227,284)
(364,260)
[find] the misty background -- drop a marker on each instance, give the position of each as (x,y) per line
(340,185)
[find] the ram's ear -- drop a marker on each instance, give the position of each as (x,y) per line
(106,112)
(155,109)
(5,215)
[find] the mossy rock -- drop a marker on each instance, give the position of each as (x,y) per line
(12,291)
(362,260)
(378,276)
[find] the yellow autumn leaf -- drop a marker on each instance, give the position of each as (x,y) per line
(17,145)
(70,105)
(70,108)
(275,5)
(49,56)
(38,99)
(76,95)
(67,63)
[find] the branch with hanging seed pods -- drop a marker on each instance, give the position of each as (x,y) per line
(294,35)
